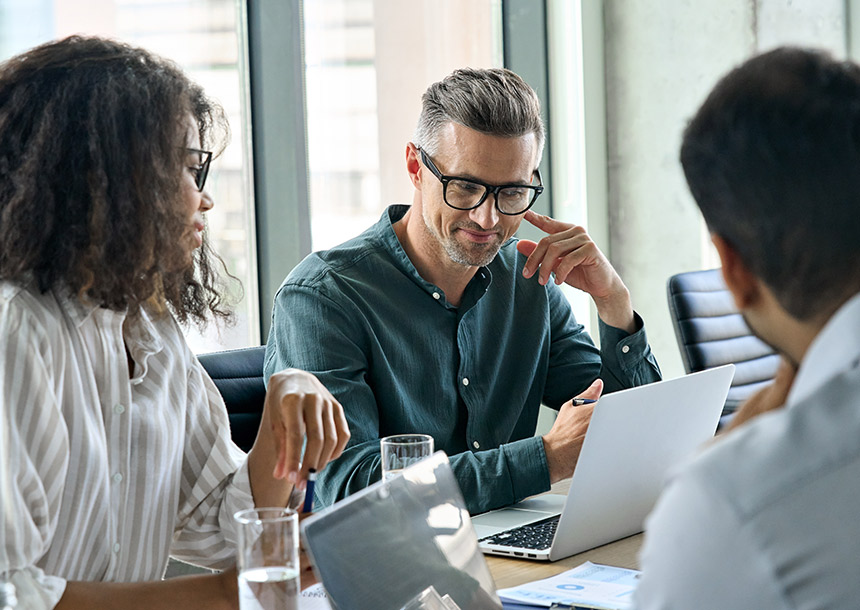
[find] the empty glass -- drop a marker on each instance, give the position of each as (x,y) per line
(403,450)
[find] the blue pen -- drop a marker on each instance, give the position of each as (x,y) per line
(309,491)
(583,401)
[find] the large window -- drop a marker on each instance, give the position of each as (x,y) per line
(208,39)
(367,63)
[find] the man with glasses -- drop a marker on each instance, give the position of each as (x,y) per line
(435,321)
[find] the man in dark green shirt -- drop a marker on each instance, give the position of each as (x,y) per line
(435,320)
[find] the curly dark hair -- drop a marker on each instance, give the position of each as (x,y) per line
(92,149)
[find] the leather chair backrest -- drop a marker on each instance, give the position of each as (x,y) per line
(238,374)
(711,332)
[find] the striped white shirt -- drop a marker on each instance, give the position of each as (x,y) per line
(103,475)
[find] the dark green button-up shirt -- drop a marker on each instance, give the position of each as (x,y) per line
(401,359)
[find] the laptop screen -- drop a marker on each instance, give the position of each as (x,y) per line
(383,546)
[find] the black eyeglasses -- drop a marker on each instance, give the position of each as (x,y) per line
(201,171)
(467,194)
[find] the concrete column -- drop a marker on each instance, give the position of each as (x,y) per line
(813,23)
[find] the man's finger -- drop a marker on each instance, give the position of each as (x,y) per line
(526,246)
(545,223)
(593,391)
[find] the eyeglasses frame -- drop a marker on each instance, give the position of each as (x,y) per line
(200,178)
(488,188)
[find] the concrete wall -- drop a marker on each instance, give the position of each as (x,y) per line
(661,59)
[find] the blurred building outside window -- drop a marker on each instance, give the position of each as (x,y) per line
(208,39)
(367,63)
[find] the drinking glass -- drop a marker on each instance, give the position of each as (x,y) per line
(403,450)
(268,559)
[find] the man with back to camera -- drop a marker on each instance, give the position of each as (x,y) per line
(430,321)
(767,517)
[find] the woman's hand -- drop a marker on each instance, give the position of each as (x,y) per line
(298,406)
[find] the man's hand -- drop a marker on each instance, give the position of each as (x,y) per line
(563,442)
(768,398)
(575,259)
(299,406)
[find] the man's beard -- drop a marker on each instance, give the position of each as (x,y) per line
(478,255)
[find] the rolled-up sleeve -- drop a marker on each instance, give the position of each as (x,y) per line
(33,462)
(215,480)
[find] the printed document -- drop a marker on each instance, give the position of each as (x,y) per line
(590,585)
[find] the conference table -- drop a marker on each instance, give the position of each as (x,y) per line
(510,572)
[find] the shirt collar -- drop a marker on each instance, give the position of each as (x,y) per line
(389,240)
(388,237)
(139,332)
(835,349)
(142,335)
(76,309)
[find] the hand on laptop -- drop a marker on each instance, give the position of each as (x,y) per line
(563,442)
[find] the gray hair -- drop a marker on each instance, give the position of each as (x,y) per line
(492,101)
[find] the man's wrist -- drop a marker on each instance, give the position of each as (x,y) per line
(617,311)
(552,461)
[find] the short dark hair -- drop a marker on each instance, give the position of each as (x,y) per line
(773,160)
(494,101)
(92,137)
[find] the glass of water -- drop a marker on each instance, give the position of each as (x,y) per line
(403,450)
(268,559)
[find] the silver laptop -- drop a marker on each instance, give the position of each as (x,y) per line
(383,547)
(635,438)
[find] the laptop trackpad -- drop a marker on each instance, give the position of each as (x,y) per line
(515,515)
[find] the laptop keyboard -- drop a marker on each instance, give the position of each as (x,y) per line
(537,535)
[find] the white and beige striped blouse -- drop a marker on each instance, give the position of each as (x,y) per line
(103,474)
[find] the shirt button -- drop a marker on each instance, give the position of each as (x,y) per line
(476,444)
(437,296)
(116,547)
(119,409)
(465,381)
(625,349)
(117,478)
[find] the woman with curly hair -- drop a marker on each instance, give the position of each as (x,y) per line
(115,449)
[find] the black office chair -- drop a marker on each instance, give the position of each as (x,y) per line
(711,332)
(238,374)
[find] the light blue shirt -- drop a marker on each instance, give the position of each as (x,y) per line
(400,358)
(769,516)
